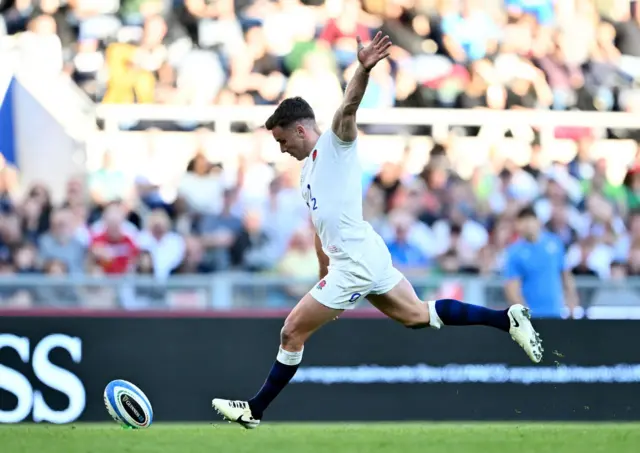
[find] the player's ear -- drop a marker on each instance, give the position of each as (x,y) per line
(300,131)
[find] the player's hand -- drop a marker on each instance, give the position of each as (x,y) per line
(378,49)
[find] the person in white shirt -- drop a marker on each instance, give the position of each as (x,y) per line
(167,248)
(354,260)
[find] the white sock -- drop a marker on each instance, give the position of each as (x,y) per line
(434,320)
(289,358)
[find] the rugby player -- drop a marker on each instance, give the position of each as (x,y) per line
(354,260)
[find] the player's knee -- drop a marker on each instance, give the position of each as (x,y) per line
(416,319)
(291,339)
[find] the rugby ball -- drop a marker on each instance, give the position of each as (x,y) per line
(128,405)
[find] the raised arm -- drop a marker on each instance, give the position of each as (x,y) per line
(344,121)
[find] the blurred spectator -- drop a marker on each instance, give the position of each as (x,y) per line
(283,213)
(340,32)
(10,235)
(35,218)
(7,187)
(25,259)
(253,249)
(627,25)
(129,226)
(590,256)
(147,295)
(559,225)
(109,183)
(629,237)
(616,292)
(632,188)
(97,296)
(555,198)
(201,188)
(217,26)
(405,255)
(600,221)
(373,209)
(410,236)
(76,193)
(111,247)
(217,234)
(151,182)
(194,261)
(633,260)
(582,166)
(127,83)
(165,247)
(492,257)
(542,10)
(63,242)
(59,12)
(63,295)
(12,296)
(95,18)
(459,231)
(317,81)
(470,34)
(289,29)
(41,49)
(255,176)
(263,77)
(86,67)
(300,262)
(388,181)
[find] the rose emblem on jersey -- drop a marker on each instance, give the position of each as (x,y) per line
(322,284)
(314,154)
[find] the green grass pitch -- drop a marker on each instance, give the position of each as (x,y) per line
(321,438)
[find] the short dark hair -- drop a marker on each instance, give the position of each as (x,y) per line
(527,212)
(290,111)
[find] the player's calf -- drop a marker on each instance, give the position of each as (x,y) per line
(307,317)
(451,312)
(416,318)
(291,338)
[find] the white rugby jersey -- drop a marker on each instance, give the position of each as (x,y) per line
(331,184)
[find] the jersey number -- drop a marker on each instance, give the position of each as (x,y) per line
(312,199)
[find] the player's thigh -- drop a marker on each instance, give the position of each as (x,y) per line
(397,299)
(305,318)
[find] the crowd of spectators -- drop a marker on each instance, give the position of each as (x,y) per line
(517,54)
(252,219)
(569,54)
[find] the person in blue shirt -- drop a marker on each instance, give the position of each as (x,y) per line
(535,270)
(542,10)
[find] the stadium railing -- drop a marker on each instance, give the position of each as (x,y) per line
(233,291)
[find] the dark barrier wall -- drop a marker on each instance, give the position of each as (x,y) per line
(55,369)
